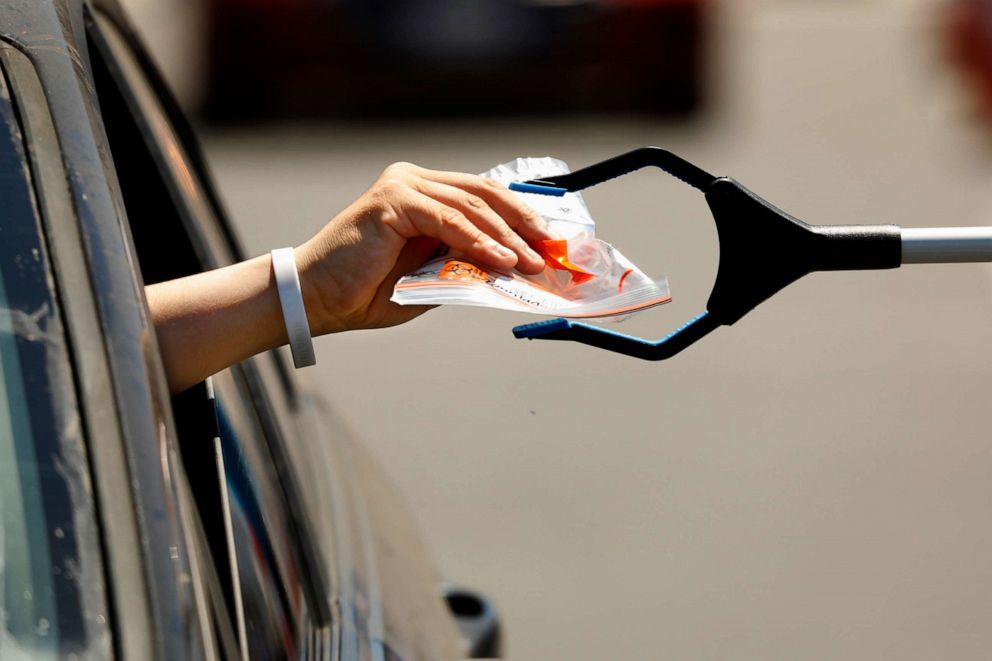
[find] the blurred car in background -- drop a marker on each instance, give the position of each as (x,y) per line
(272,58)
(238,520)
(969,41)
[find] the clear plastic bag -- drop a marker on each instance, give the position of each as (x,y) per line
(583,277)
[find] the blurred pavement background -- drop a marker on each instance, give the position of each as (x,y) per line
(812,483)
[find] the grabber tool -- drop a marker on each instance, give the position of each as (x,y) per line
(762,250)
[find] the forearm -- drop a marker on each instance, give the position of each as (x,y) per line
(212,320)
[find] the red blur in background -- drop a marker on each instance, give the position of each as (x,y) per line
(969,38)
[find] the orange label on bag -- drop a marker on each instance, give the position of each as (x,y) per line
(455,270)
(555,254)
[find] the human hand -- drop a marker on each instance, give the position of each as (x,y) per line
(349,268)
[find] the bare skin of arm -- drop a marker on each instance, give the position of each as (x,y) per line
(212,320)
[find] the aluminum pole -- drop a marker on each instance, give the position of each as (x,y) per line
(940,245)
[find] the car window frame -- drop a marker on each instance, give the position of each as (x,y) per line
(125,584)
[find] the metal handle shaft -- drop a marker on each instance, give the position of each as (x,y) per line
(941,245)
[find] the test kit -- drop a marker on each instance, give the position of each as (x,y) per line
(583,277)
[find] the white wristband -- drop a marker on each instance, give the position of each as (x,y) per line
(294,313)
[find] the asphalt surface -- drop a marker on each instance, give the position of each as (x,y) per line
(811,483)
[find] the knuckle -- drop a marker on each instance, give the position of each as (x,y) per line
(475,202)
(390,187)
(531,217)
(492,183)
(399,171)
(388,215)
(450,218)
(399,167)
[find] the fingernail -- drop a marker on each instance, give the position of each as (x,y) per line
(533,254)
(503,251)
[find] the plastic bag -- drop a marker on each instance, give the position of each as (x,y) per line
(583,277)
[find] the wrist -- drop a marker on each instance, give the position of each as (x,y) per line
(320,290)
(256,302)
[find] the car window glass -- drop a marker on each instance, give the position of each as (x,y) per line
(268,574)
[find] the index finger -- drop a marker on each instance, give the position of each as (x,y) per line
(425,216)
(521,218)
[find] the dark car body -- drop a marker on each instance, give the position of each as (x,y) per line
(238,520)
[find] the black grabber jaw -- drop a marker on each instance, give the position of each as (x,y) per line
(762,250)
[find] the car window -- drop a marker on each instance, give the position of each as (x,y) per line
(165,203)
(51,600)
(268,575)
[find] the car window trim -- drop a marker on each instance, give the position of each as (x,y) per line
(226,641)
(184,133)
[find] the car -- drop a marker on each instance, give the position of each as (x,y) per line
(237,520)
(402,58)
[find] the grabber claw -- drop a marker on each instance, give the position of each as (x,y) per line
(762,250)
